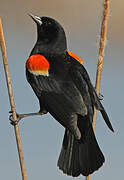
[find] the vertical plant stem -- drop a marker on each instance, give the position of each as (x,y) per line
(101,55)
(12,104)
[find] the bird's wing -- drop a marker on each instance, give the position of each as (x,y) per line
(81,79)
(61,98)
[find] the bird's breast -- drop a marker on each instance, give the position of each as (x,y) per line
(38,65)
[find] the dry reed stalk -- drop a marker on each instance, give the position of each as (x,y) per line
(12,104)
(101,55)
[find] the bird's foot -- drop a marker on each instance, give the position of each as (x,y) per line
(12,121)
(20,116)
(101,97)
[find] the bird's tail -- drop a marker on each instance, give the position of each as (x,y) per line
(80,156)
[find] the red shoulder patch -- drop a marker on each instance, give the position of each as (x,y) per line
(38,64)
(75,57)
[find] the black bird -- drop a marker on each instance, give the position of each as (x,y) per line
(63,87)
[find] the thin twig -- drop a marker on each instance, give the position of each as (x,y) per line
(12,104)
(101,55)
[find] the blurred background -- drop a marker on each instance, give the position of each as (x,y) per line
(42,136)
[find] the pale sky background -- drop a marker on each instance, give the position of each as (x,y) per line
(42,136)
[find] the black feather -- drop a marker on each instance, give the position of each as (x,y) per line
(80,156)
(82,81)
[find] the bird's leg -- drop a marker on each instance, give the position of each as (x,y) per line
(21,116)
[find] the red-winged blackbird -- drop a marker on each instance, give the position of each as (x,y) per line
(63,87)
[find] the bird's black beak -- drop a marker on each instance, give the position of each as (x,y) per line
(37,19)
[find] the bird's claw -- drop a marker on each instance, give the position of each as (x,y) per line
(12,121)
(101,96)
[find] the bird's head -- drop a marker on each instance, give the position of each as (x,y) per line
(51,34)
